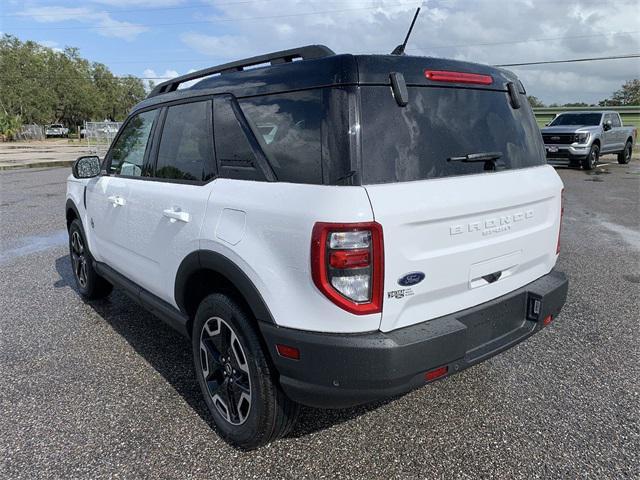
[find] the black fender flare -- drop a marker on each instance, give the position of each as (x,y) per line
(218,263)
(71,206)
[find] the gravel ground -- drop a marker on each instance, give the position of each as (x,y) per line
(105,390)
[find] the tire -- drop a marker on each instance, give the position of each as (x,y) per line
(237,380)
(90,285)
(624,156)
(591,160)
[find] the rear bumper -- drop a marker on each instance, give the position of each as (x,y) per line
(342,370)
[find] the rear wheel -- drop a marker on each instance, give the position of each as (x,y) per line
(624,156)
(238,383)
(90,285)
(591,161)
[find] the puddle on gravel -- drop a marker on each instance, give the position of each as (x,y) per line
(632,237)
(630,277)
(35,244)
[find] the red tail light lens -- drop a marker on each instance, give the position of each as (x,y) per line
(347,264)
(561,215)
(458,77)
(436,373)
(287,351)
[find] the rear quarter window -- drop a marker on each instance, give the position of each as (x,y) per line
(414,142)
(288,129)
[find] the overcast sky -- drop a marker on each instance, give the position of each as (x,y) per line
(159,38)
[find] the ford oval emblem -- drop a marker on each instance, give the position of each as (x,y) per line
(411,279)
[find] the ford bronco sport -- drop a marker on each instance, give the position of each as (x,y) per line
(327,230)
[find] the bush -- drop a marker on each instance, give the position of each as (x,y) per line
(10,126)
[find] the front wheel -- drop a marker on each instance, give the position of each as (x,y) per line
(591,161)
(624,156)
(90,285)
(237,380)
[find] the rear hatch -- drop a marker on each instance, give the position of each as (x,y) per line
(477,230)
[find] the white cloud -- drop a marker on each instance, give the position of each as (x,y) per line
(448,28)
(152,78)
(139,3)
(55,46)
(105,24)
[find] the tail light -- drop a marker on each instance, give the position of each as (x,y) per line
(561,215)
(347,264)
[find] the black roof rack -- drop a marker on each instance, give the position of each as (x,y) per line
(284,56)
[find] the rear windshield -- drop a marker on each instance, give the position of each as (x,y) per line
(409,143)
(577,119)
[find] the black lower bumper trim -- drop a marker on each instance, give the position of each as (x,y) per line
(343,370)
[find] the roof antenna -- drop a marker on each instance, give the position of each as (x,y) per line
(399,50)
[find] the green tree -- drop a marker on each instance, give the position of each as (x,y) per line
(628,94)
(535,101)
(41,86)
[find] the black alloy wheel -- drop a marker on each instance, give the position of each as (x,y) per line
(225,370)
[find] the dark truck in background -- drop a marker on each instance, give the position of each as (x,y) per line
(579,138)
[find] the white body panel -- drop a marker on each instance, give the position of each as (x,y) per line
(163,226)
(275,248)
(458,229)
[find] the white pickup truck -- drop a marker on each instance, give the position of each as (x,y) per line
(579,138)
(56,130)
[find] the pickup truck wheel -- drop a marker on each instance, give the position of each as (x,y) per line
(591,161)
(624,156)
(237,380)
(90,285)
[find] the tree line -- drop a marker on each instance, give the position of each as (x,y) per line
(628,94)
(41,85)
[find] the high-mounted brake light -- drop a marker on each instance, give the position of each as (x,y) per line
(347,264)
(458,77)
(561,215)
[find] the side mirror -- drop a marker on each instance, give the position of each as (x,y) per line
(607,125)
(86,167)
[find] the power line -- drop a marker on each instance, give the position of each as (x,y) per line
(573,60)
(514,42)
(217,20)
(154,9)
(593,59)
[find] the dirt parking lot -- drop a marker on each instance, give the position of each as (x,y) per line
(105,390)
(51,152)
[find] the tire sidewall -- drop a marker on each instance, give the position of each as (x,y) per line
(218,305)
(591,161)
(627,158)
(76,226)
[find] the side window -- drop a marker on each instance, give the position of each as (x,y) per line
(127,154)
(288,127)
(616,120)
(608,118)
(186,145)
(235,154)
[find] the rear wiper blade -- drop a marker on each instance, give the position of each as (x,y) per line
(477,157)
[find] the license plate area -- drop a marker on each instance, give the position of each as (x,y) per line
(552,149)
(492,328)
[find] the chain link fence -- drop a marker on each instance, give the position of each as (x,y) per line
(99,135)
(31,132)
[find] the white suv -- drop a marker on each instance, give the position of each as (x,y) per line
(327,232)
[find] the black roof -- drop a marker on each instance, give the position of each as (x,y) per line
(312,67)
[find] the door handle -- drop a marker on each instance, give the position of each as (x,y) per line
(172,214)
(116,200)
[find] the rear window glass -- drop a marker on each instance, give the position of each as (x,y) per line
(288,128)
(414,142)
